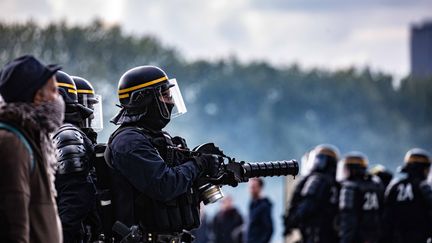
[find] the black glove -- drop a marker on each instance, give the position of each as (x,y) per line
(208,164)
(179,142)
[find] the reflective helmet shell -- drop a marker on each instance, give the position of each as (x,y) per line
(353,164)
(84,88)
(355,159)
(417,156)
(325,157)
(66,87)
(416,159)
(137,79)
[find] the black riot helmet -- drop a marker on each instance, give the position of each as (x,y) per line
(324,159)
(88,98)
(147,96)
(66,88)
(417,162)
(353,165)
(85,90)
(75,113)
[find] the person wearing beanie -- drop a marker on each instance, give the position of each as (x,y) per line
(31,109)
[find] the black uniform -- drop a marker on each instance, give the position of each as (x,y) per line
(76,192)
(290,222)
(360,205)
(408,208)
(314,207)
(153,185)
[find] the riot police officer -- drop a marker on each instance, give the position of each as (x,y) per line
(76,192)
(360,201)
(408,201)
(153,184)
(315,201)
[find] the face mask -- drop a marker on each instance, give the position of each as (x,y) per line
(50,114)
(153,118)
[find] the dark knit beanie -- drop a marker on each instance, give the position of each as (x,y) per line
(21,78)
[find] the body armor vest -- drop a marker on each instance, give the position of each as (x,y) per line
(365,199)
(371,202)
(409,205)
(175,215)
(320,226)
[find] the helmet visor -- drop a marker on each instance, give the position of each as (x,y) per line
(170,100)
(179,105)
(93,102)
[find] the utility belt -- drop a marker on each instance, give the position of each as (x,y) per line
(135,234)
(185,237)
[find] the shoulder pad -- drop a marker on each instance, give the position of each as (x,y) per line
(347,194)
(311,186)
(66,135)
(72,155)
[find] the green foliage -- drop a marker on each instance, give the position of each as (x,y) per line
(254,110)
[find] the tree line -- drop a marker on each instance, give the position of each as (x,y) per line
(253,110)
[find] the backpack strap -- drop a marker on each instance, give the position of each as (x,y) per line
(23,139)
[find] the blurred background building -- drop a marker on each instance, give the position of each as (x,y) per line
(421,50)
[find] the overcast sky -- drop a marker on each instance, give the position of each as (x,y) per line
(313,33)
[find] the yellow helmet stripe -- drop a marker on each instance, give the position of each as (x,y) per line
(66,85)
(72,91)
(142,85)
(85,91)
(356,161)
(327,152)
(418,159)
(123,96)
